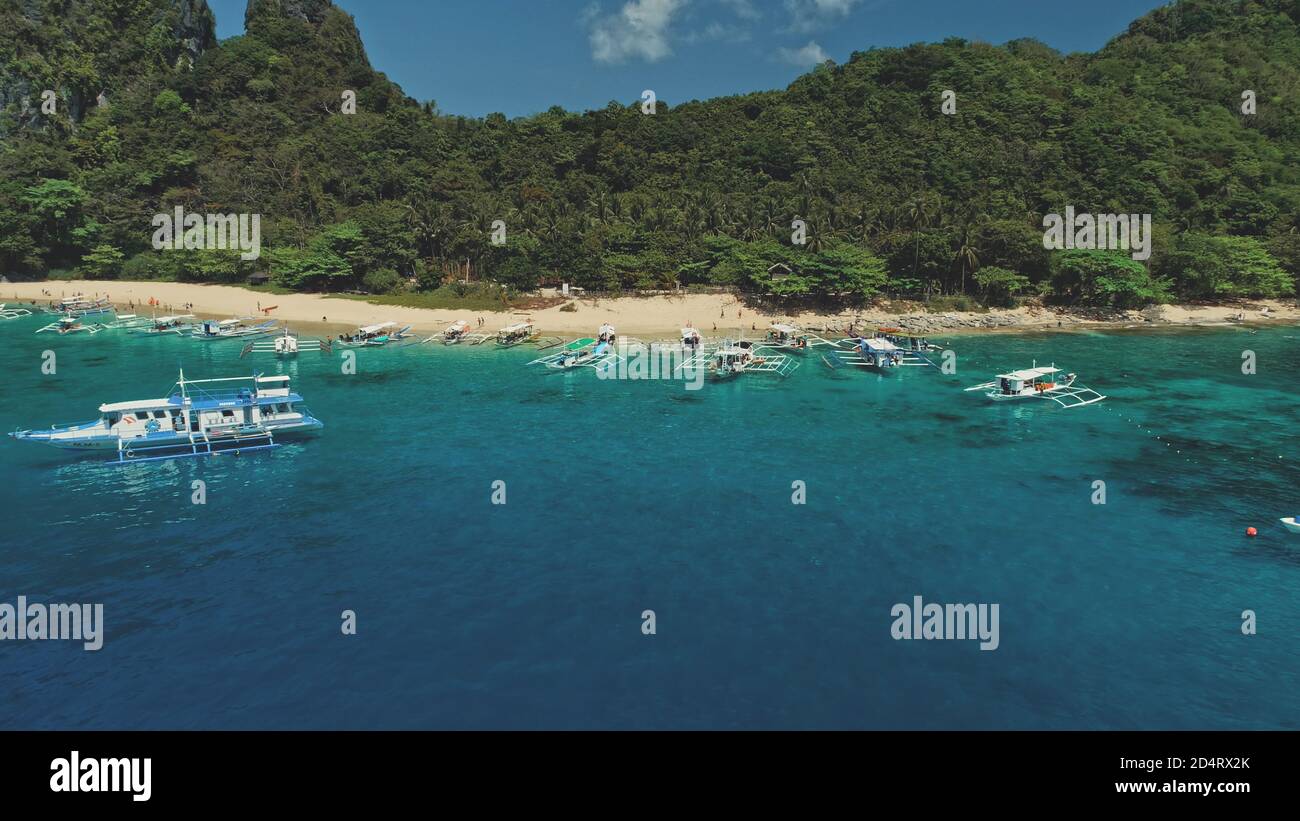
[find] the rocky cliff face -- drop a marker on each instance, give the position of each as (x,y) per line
(308,11)
(42,50)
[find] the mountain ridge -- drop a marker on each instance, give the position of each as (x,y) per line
(896,196)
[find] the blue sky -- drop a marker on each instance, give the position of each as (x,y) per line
(519,57)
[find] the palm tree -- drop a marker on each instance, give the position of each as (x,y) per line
(967,255)
(920,214)
(771,218)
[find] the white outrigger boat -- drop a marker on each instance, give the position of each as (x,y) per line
(375,336)
(128,322)
(1039,383)
(879,353)
(72,325)
(79,306)
(789,337)
(731,358)
(457,333)
(13,313)
(200,417)
(213,329)
(516,334)
(167,325)
(909,343)
(287,344)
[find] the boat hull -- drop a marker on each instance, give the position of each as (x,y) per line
(111,443)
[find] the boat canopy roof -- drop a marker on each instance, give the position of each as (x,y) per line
(1029,373)
(877,344)
(516,328)
(268,380)
(783,328)
(139,404)
(374,329)
(460,323)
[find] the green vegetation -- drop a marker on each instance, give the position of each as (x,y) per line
(473,297)
(899,200)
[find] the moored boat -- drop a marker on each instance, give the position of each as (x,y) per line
(199,417)
(516,334)
(375,336)
(79,306)
(732,358)
(215,329)
(585,353)
(72,325)
(286,344)
(784,336)
(691,339)
(166,325)
(1039,383)
(456,333)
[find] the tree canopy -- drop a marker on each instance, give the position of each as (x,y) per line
(894,195)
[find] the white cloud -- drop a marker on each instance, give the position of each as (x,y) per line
(807,15)
(638,30)
(809,55)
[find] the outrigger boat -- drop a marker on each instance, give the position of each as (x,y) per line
(72,325)
(731,358)
(1290,523)
(287,344)
(375,336)
(457,333)
(1039,383)
(200,417)
(516,334)
(213,329)
(911,343)
(128,322)
(583,353)
(166,325)
(78,306)
(790,337)
(13,313)
(879,353)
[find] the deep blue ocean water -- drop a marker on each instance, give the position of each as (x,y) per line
(627,496)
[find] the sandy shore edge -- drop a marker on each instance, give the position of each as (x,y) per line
(649,317)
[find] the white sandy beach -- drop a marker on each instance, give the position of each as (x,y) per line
(650,317)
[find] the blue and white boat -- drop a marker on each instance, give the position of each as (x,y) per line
(881,353)
(214,329)
(199,417)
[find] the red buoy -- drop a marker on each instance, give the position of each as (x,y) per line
(1250,531)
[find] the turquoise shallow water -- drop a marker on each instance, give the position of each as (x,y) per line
(627,496)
